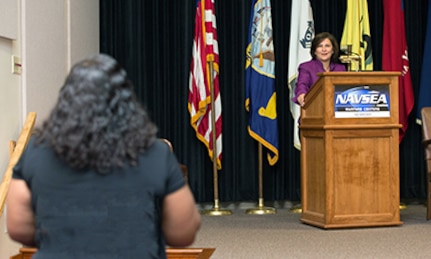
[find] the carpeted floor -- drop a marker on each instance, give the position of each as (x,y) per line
(282,235)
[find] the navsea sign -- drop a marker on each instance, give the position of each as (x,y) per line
(363,101)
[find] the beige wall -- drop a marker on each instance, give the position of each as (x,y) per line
(10,115)
(8,19)
(49,36)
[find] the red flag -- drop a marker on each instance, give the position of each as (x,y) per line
(205,53)
(395,57)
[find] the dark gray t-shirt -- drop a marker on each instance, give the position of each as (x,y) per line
(83,214)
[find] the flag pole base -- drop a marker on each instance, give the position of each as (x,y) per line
(296,209)
(216,211)
(261,209)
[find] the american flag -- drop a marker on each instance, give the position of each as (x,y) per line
(205,50)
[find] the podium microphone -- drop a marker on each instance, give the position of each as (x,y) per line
(351,58)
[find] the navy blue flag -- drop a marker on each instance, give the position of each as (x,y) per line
(425,86)
(260,74)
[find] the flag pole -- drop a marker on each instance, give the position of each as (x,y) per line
(261,209)
(216,210)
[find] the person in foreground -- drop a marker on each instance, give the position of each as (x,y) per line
(325,58)
(94,181)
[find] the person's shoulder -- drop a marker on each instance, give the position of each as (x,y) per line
(307,64)
(160,146)
(34,144)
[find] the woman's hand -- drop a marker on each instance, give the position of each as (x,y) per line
(301,100)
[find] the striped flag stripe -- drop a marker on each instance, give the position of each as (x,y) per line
(205,49)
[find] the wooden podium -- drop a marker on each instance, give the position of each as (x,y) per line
(171,253)
(349,133)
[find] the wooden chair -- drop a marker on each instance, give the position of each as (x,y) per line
(426,141)
(183,167)
(16,148)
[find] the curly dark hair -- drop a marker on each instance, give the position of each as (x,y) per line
(97,122)
(335,47)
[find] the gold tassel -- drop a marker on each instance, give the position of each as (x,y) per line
(261,59)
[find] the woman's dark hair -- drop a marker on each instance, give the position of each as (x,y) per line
(335,47)
(97,122)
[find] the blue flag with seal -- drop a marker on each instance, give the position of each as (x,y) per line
(424,99)
(260,93)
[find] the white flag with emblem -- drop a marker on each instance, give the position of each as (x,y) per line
(301,35)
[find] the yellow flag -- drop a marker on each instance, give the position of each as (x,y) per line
(357,34)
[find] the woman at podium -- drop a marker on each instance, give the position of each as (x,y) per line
(325,58)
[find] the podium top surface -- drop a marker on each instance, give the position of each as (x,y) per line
(361,73)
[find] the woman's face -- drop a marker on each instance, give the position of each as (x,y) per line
(324,50)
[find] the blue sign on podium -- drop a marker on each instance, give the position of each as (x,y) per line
(361,101)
